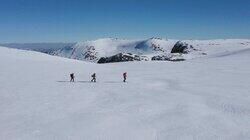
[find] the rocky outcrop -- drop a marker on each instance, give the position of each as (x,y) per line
(122,57)
(170,57)
(182,47)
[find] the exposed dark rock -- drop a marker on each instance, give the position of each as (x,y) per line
(182,47)
(170,57)
(121,57)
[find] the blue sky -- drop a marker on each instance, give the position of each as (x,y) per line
(75,20)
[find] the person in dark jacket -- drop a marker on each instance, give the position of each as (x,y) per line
(93,77)
(72,77)
(124,76)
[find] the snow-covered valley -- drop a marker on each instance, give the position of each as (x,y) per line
(203,99)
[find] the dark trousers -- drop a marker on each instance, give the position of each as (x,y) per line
(93,80)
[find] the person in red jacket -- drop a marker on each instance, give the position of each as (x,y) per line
(124,76)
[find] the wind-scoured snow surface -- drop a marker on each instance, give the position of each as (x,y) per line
(201,99)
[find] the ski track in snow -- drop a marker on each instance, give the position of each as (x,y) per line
(201,99)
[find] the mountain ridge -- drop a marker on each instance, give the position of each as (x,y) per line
(157,49)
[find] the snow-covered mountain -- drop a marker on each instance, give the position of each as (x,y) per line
(94,50)
(110,50)
(150,49)
(202,99)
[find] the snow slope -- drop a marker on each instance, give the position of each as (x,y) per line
(204,99)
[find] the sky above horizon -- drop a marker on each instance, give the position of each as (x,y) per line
(77,20)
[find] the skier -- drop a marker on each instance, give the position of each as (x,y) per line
(72,77)
(93,77)
(124,76)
